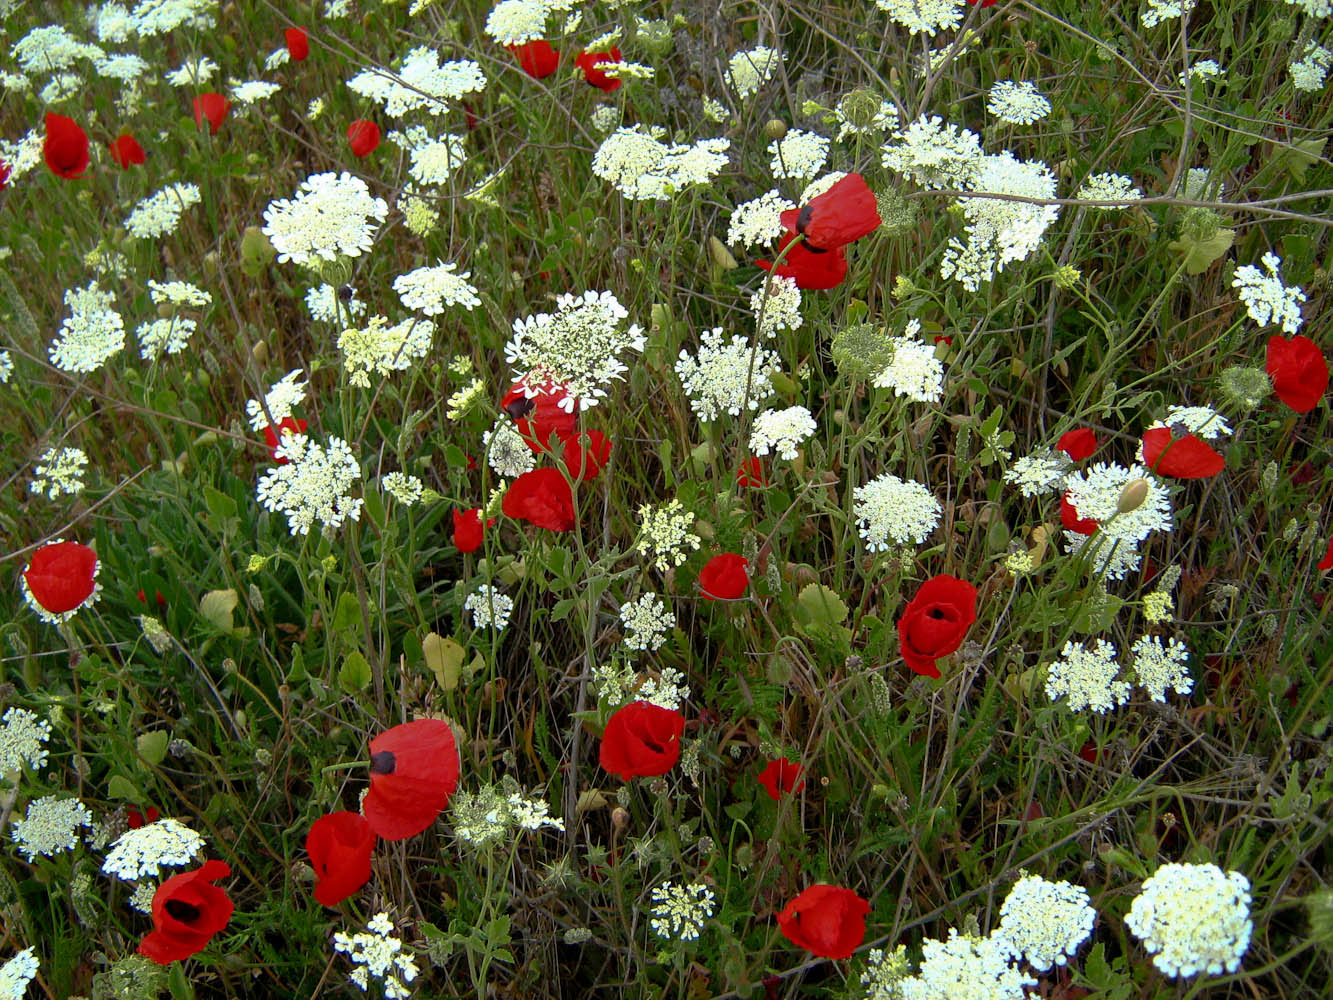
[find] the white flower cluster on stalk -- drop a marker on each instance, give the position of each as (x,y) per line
(1193,919)
(725,376)
(59,471)
(92,334)
(422,82)
(377,953)
(332,215)
(313,485)
(638,164)
(164,843)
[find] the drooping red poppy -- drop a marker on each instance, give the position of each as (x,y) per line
(585,463)
(413,772)
(809,269)
(188,909)
(1070,519)
(751,473)
(590,62)
(468,531)
(541,497)
(339,845)
(363,136)
(1078,444)
(273,438)
(1299,371)
(537,58)
(1326,564)
(826,920)
(782,777)
(843,214)
(65,147)
(541,417)
(1185,457)
(298,45)
(136,819)
(936,621)
(61,576)
(724,577)
(213,107)
(641,740)
(125,151)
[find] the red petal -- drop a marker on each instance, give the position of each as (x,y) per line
(1181,458)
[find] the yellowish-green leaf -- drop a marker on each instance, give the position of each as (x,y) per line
(444,657)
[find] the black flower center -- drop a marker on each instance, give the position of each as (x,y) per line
(382,762)
(186,913)
(520,408)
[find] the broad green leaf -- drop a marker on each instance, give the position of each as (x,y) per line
(1200,254)
(347,615)
(217,606)
(152,746)
(120,787)
(444,657)
(355,673)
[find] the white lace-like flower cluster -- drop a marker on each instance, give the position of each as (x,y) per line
(934,154)
(516,22)
(378,954)
(1087,678)
(748,71)
(965,966)
(50,826)
(716,379)
(91,334)
(1158,666)
(1038,473)
(1166,10)
(647,622)
(422,82)
(407,490)
(782,431)
(924,16)
(644,168)
(491,813)
(914,371)
(782,308)
(433,159)
(798,154)
(617,683)
(665,538)
(178,293)
(253,91)
(1017,102)
(17,973)
(313,485)
(193,72)
(575,350)
(431,289)
(1201,421)
(1108,187)
(287,392)
(1309,72)
(1096,494)
(160,213)
(23,740)
(1045,922)
(50,48)
(59,471)
(892,510)
(758,222)
(1193,919)
(506,451)
(332,215)
(1266,299)
(489,608)
(382,349)
(679,912)
(166,843)
(848,124)
(164,336)
(324,304)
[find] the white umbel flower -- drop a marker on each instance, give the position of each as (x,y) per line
(965,968)
(924,16)
(313,485)
(17,973)
(892,511)
(1095,493)
(383,349)
(287,392)
(782,431)
(646,622)
(644,168)
(665,538)
(178,293)
(489,608)
(1108,187)
(1310,71)
(422,82)
(160,213)
(1166,10)
(750,70)
(1017,102)
(379,955)
(506,451)
(164,336)
(166,843)
(679,912)
(326,306)
(1045,922)
(407,490)
(253,91)
(23,740)
(914,372)
(726,376)
(1087,678)
(92,334)
(50,826)
(1193,919)
(780,309)
(1038,473)
(798,154)
(1266,299)
(934,154)
(758,222)
(332,215)
(516,22)
(432,289)
(58,472)
(1201,421)
(1158,666)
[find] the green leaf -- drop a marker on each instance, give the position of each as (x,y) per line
(219,504)
(178,984)
(374,505)
(297,672)
(347,615)
(355,673)
(562,609)
(217,606)
(120,787)
(444,657)
(1200,254)
(152,746)
(1302,153)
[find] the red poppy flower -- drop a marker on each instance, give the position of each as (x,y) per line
(641,740)
(65,147)
(5,171)
(271,438)
(942,339)
(984,3)
(751,473)
(826,920)
(136,819)
(1088,751)
(1326,564)
(936,621)
(585,463)
(808,268)
(841,215)
(1298,370)
(1180,458)
(1070,519)
(339,845)
(537,58)
(541,497)
(541,417)
(125,150)
(157,596)
(413,771)
(298,45)
(589,63)
(724,577)
(468,531)
(213,107)
(62,576)
(781,777)
(187,911)
(1079,444)
(363,136)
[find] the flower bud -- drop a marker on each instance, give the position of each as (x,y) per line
(1245,387)
(1133,495)
(722,257)
(775,128)
(860,108)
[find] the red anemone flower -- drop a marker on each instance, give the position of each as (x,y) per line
(1298,370)
(65,147)
(782,777)
(751,473)
(724,577)
(125,150)
(363,136)
(188,909)
(1079,444)
(539,418)
(826,920)
(1185,457)
(936,621)
(841,215)
(61,576)
(641,740)
(541,497)
(589,63)
(214,108)
(413,771)
(468,531)
(810,269)
(273,438)
(298,45)
(1070,519)
(537,58)
(339,845)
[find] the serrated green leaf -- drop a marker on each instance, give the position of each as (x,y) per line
(219,504)
(818,605)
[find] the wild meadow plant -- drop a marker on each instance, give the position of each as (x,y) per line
(662,499)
